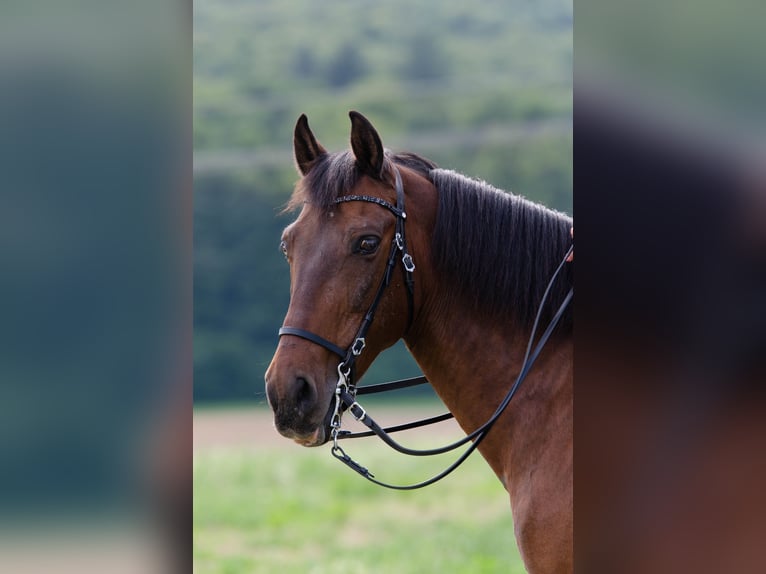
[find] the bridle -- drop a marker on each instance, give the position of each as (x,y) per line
(398,245)
(346,390)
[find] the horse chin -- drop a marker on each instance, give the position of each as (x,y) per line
(320,436)
(317,438)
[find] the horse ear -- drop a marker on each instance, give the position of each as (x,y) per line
(365,141)
(305,146)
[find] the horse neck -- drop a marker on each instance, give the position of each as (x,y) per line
(472,363)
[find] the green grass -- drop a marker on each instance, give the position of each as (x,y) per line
(295,510)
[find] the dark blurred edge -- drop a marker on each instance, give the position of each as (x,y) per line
(670,405)
(95,287)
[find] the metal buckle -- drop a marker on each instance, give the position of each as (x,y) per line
(356,405)
(399,241)
(337,413)
(357,347)
(409,264)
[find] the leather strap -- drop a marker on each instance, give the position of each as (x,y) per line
(392,386)
(309,336)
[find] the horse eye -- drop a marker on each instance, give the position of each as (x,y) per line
(367,245)
(283,248)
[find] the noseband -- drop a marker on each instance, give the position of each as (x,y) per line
(398,244)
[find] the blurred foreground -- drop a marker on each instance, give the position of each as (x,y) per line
(95,295)
(670,401)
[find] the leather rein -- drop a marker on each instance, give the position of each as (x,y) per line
(346,390)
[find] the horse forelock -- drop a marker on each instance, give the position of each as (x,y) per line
(337,174)
(498,251)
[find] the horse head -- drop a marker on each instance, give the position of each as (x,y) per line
(345,268)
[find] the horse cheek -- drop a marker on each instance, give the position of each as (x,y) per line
(360,296)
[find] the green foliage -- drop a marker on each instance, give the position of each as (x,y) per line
(346,67)
(296,510)
(425,59)
(254,59)
(482,88)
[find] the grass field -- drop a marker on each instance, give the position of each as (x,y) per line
(268,506)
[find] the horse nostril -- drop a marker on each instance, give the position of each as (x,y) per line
(304,396)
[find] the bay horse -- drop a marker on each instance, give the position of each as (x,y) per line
(473,272)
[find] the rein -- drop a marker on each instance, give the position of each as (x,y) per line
(346,390)
(478,435)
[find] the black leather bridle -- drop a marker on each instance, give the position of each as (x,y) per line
(346,390)
(398,245)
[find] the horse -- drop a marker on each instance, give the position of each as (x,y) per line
(476,264)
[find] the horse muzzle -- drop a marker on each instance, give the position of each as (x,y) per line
(299,412)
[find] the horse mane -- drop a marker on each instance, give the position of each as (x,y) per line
(496,250)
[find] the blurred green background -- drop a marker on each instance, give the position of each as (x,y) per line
(484,88)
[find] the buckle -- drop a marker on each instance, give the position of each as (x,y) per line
(357,410)
(358,346)
(409,264)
